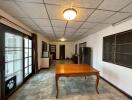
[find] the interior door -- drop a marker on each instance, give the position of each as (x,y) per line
(62,51)
(53,51)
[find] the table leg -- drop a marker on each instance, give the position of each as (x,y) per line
(57,90)
(85,77)
(97,82)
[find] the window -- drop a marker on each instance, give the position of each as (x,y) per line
(117,48)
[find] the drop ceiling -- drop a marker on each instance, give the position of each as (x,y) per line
(46,16)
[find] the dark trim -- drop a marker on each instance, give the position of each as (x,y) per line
(2,63)
(129,96)
(44,68)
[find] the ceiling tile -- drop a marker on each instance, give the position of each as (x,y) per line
(34,10)
(74,24)
(42,22)
(88,25)
(87,3)
(117,17)
(11,8)
(99,16)
(47,28)
(59,29)
(58,12)
(128,9)
(33,1)
(59,34)
(98,28)
(76,3)
(58,23)
(82,14)
(114,4)
(26,21)
(34,27)
(70,30)
(58,2)
(77,34)
(82,30)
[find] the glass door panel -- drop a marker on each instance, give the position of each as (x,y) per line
(27,57)
(13,61)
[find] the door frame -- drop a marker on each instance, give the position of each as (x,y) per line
(4,28)
(50,45)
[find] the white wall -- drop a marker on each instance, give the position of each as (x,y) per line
(40,39)
(69,48)
(118,75)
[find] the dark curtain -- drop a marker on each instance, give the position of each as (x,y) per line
(2,63)
(35,53)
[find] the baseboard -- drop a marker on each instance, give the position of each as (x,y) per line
(117,88)
(44,68)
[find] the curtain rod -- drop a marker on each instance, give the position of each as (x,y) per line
(2,17)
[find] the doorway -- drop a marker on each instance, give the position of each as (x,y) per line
(52,49)
(62,52)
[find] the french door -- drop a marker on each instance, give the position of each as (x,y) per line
(15,60)
(27,57)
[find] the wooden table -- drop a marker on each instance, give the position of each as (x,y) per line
(67,70)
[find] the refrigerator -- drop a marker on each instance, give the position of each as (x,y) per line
(85,55)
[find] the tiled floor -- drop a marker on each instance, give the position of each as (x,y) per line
(42,87)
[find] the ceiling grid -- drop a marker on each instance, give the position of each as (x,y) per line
(46,16)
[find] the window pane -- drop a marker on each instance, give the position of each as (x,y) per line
(26,52)
(30,43)
(26,42)
(30,60)
(26,71)
(19,77)
(18,41)
(30,69)
(8,68)
(9,40)
(9,56)
(18,65)
(30,52)
(17,54)
(26,62)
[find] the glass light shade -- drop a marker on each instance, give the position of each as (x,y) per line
(70,14)
(62,39)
